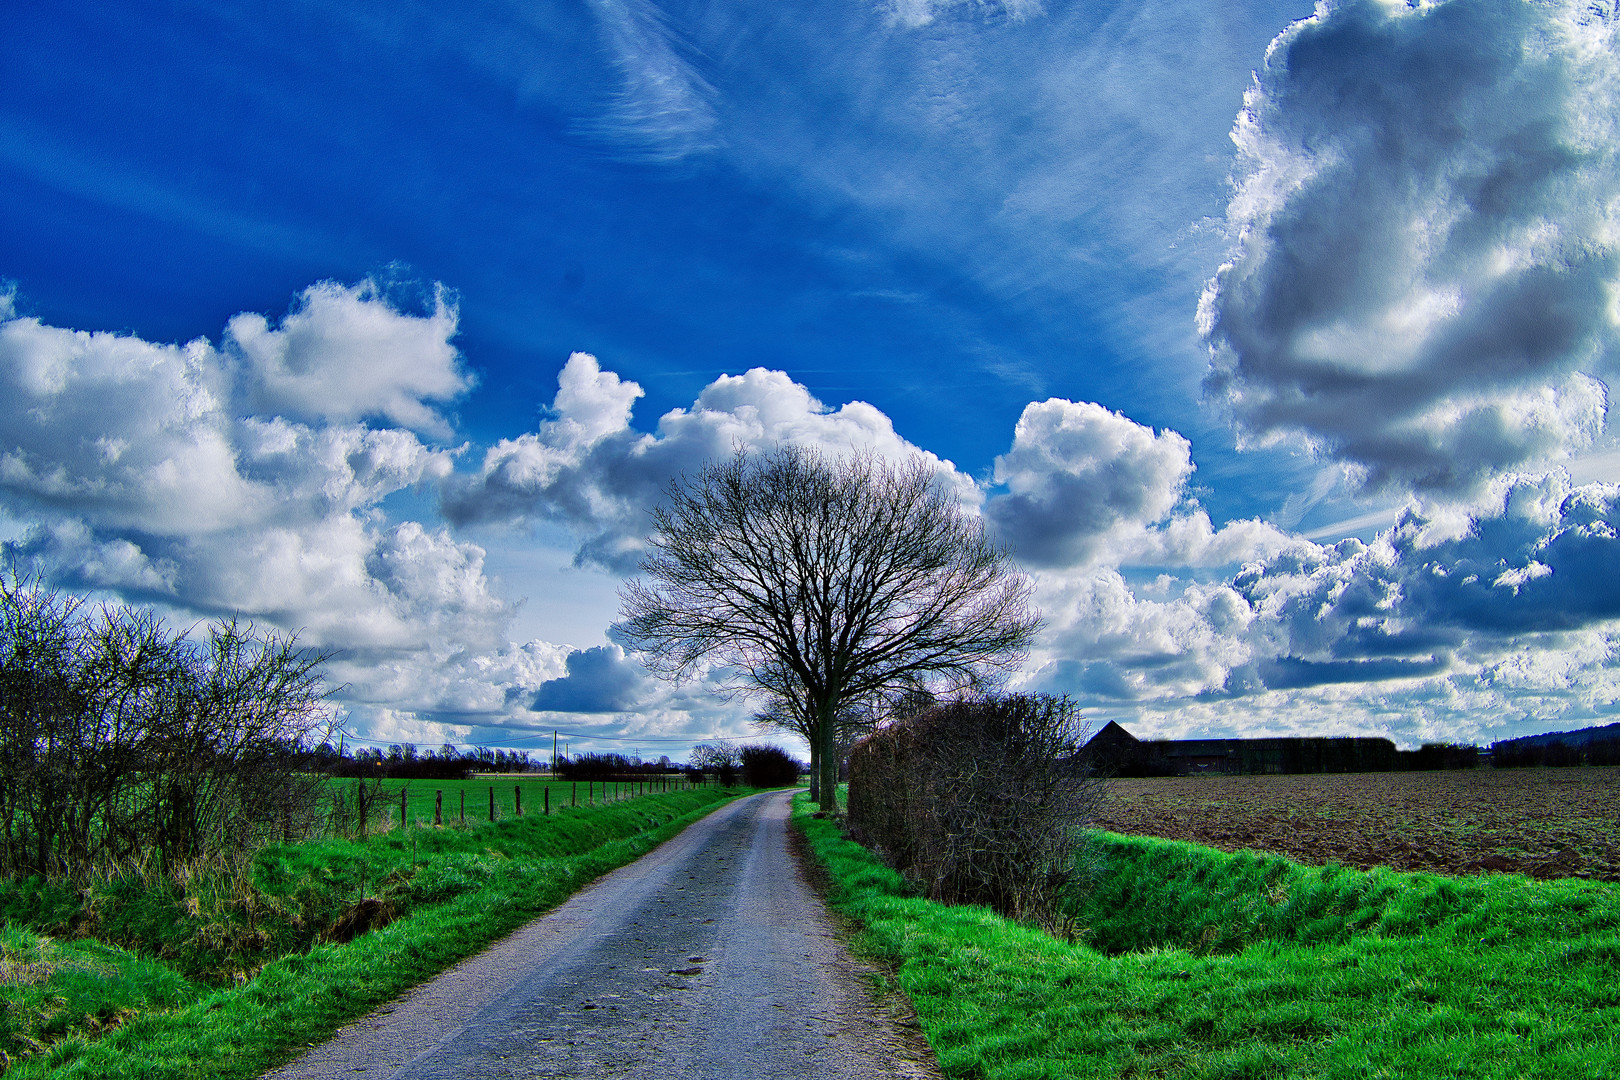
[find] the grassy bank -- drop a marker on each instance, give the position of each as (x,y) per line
(1190,962)
(230,972)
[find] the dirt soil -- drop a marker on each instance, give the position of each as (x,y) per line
(1547,823)
(709,958)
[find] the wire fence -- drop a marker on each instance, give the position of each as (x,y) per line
(392,804)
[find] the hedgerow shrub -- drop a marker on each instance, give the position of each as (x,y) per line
(978,801)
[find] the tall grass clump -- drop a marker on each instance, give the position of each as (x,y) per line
(1189,962)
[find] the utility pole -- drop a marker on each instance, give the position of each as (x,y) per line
(553,751)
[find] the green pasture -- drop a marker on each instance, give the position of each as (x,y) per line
(1182,961)
(470,800)
(235,968)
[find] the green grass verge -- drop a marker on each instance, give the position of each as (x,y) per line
(84,1008)
(1202,964)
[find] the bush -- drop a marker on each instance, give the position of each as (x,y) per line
(123,744)
(767,767)
(978,801)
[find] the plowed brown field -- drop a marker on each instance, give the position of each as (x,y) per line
(1543,822)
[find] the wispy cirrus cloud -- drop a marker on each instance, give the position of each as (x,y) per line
(664,109)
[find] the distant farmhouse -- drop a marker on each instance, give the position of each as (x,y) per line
(1116,751)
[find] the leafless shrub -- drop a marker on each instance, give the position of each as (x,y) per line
(122,742)
(720,758)
(977,801)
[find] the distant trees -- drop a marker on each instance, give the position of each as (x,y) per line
(605,767)
(720,758)
(1524,753)
(403,761)
(124,743)
(817,583)
(768,767)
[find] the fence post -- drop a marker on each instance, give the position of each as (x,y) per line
(492,802)
(438,807)
(517,798)
(546,795)
(402,792)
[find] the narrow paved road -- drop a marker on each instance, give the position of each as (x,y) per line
(710,958)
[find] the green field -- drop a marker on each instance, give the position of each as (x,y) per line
(469,800)
(234,969)
(1189,962)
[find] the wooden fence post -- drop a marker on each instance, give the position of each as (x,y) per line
(546,795)
(492,802)
(517,798)
(402,792)
(438,807)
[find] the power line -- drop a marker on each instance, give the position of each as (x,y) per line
(638,740)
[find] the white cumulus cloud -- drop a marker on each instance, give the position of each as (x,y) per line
(590,470)
(248,480)
(1086,485)
(344,353)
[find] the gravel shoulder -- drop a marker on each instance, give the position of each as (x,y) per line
(710,957)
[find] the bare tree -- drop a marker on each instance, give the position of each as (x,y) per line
(817,582)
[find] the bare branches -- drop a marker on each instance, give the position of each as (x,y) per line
(121,741)
(977,801)
(819,582)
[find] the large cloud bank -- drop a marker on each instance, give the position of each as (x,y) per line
(218,479)
(246,478)
(1428,247)
(1452,623)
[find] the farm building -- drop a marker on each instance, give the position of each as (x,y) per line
(1116,750)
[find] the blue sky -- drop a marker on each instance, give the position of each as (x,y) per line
(1276,341)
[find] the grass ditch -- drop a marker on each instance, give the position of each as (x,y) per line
(229,972)
(1193,963)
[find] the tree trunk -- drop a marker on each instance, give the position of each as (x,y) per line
(815,768)
(828,738)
